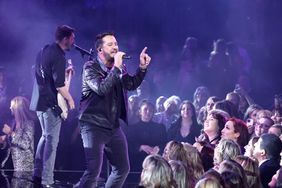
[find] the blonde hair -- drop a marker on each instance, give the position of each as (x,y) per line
(226,149)
(174,151)
(156,173)
(263,113)
(189,156)
(20,110)
(179,173)
(251,170)
(233,166)
(208,183)
(172,99)
(194,160)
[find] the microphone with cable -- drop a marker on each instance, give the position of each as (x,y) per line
(82,51)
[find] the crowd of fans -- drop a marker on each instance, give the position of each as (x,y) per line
(174,145)
(212,141)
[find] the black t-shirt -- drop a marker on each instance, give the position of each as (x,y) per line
(49,75)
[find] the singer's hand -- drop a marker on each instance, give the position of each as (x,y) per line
(118,59)
(145,59)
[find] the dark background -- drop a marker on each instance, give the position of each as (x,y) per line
(28,25)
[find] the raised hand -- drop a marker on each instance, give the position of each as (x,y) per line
(145,59)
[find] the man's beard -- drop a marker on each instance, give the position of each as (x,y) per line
(109,58)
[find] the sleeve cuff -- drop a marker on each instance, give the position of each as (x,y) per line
(116,70)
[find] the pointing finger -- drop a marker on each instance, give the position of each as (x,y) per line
(144,50)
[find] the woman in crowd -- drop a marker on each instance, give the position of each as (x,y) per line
(251,170)
(21,134)
(226,149)
(160,104)
(233,166)
(232,179)
(207,141)
(190,157)
(194,160)
(249,148)
(213,174)
(228,107)
(200,97)
(179,174)
(250,117)
(185,128)
(208,183)
(236,129)
(170,113)
(204,111)
(156,173)
(252,111)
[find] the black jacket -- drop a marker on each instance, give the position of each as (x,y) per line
(267,170)
(103,99)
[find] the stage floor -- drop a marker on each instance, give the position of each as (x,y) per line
(63,179)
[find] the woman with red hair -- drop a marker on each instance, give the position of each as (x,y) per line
(236,129)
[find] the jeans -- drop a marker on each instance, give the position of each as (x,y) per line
(96,142)
(47,146)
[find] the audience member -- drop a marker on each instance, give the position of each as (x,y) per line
(262,125)
(267,152)
(207,141)
(145,137)
(21,134)
(170,114)
(249,148)
(236,129)
(160,104)
(185,128)
(156,173)
(226,149)
(179,174)
(251,170)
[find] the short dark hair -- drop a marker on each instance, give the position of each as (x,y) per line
(99,39)
(220,119)
(146,102)
(63,31)
(271,144)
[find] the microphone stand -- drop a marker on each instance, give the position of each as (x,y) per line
(84,52)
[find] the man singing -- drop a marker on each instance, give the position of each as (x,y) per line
(102,105)
(49,80)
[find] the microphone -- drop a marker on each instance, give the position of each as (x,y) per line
(126,56)
(81,50)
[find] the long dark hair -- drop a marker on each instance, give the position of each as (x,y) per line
(194,116)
